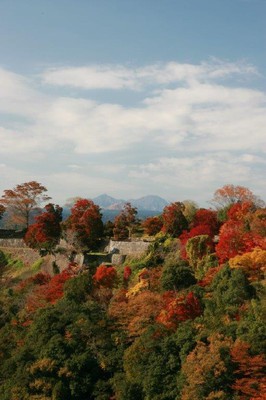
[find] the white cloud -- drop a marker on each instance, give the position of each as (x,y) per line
(120,77)
(94,77)
(192,134)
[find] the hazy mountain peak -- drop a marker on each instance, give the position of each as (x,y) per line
(149,202)
(106,201)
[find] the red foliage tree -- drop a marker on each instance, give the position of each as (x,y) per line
(234,240)
(84,226)
(152,225)
(124,222)
(48,292)
(174,221)
(105,276)
(45,233)
(236,235)
(127,273)
(208,219)
(179,309)
(240,211)
(41,278)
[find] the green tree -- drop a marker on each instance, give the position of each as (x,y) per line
(176,275)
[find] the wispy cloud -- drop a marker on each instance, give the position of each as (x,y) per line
(120,77)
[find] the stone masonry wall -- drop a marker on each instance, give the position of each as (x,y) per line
(128,248)
(12,243)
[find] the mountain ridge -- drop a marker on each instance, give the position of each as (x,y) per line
(149,202)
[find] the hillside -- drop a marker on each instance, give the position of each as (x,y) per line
(182,321)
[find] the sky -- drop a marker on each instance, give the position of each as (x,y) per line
(133,97)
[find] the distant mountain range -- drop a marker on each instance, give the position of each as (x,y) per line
(146,203)
(147,206)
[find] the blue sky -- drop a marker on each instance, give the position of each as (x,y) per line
(133,98)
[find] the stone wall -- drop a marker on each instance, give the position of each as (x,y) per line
(128,248)
(12,243)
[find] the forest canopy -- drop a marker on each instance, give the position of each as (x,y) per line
(183,321)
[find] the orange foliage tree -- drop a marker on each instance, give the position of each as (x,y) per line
(231,194)
(250,379)
(205,368)
(134,314)
(23,200)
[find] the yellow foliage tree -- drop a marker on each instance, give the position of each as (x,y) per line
(252,263)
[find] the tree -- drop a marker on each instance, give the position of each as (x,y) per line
(152,225)
(134,314)
(177,275)
(124,222)
(105,276)
(208,219)
(230,194)
(190,210)
(250,372)
(197,248)
(174,221)
(207,370)
(23,200)
(179,309)
(252,263)
(45,233)
(84,226)
(234,240)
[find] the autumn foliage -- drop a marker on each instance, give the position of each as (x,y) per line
(46,231)
(152,225)
(48,290)
(124,222)
(179,309)
(105,276)
(231,194)
(235,235)
(250,378)
(84,226)
(23,200)
(157,326)
(174,220)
